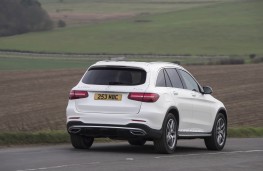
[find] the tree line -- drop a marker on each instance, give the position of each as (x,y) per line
(22,16)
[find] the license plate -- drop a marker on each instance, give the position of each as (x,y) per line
(99,96)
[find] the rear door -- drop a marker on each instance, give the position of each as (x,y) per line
(109,87)
(182,99)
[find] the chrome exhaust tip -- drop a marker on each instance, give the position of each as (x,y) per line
(74,130)
(138,132)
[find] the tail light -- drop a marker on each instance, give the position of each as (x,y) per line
(144,97)
(78,94)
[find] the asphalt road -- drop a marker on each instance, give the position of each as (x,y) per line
(239,154)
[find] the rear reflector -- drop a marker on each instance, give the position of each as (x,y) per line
(144,97)
(78,94)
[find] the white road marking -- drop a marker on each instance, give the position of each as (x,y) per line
(129,159)
(61,166)
(198,154)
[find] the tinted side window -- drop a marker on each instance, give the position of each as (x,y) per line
(161,79)
(114,76)
(189,81)
(174,77)
(167,80)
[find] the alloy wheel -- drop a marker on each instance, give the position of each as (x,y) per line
(171,133)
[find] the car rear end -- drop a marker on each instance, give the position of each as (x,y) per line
(108,99)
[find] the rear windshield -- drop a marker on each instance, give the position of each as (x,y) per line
(114,76)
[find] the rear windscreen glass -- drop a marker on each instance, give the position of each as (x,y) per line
(114,76)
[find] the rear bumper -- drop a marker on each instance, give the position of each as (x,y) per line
(128,131)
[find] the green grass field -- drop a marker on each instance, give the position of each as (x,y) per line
(93,11)
(230,28)
(119,6)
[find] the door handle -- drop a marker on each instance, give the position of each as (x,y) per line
(194,95)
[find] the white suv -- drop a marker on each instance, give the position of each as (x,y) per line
(144,101)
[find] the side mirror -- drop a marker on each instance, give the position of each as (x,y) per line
(207,90)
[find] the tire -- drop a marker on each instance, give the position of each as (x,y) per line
(81,142)
(167,143)
(139,142)
(219,133)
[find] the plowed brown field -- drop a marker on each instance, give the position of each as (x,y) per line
(36,100)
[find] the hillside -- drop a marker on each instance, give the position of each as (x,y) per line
(228,28)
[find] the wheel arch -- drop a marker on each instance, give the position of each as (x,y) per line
(173,110)
(224,112)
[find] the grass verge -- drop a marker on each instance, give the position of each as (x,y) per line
(245,132)
(13,138)
(19,138)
